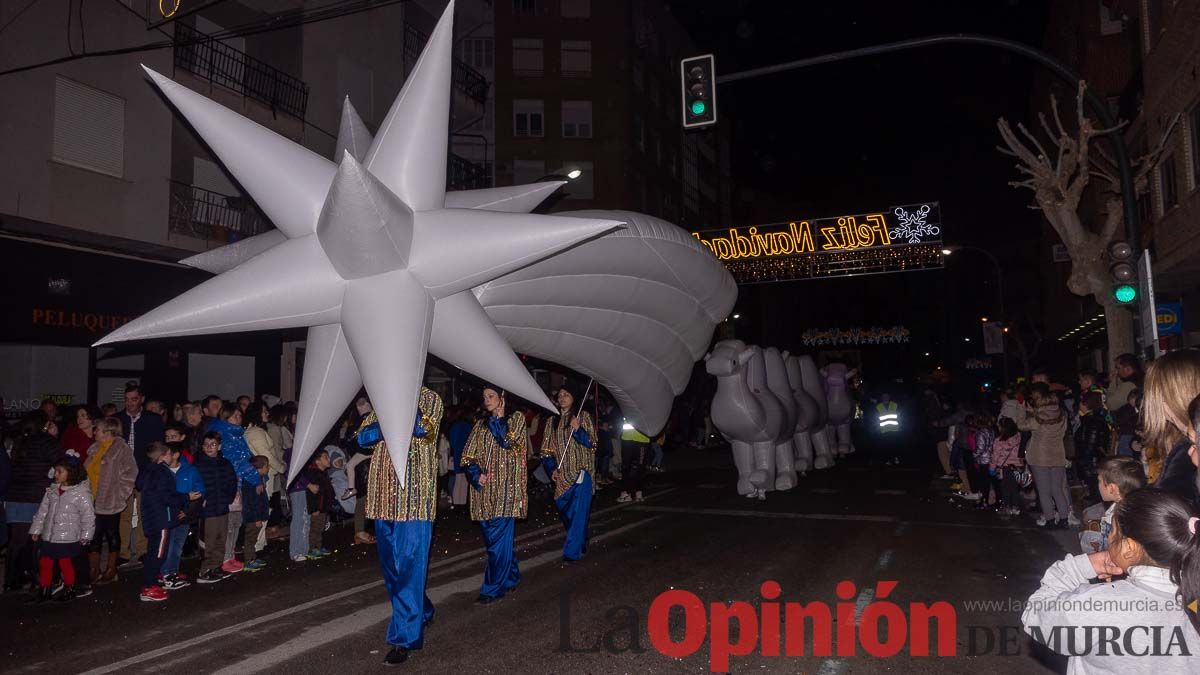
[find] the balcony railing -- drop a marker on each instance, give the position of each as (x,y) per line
(466,79)
(221,64)
(463,174)
(212,216)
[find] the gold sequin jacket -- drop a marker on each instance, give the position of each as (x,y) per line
(506,493)
(387,499)
(571,456)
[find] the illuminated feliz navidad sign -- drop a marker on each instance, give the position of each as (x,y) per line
(901,238)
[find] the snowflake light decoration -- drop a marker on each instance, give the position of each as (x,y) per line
(913,226)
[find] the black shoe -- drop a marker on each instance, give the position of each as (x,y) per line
(67,594)
(486,599)
(395,656)
(42,595)
(83,590)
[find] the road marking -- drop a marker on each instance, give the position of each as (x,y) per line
(885,559)
(767,514)
(832,667)
(865,597)
(245,625)
(333,630)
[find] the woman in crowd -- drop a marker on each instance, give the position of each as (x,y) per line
(1047,457)
(1171,385)
(569,454)
(81,432)
(280,429)
(494,459)
(193,419)
(34,453)
(237,452)
(261,444)
(111,471)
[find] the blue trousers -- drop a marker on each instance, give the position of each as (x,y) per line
(404,557)
(501,573)
(176,537)
(574,508)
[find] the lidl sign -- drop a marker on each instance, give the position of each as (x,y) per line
(1169,317)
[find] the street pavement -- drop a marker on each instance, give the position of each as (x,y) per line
(859,522)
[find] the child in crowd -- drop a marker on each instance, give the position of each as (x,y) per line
(1125,419)
(1118,476)
(220,487)
(160,504)
(297,495)
(187,482)
(1092,439)
(1154,542)
(176,432)
(65,523)
(319,502)
(1006,459)
(962,442)
(256,507)
(981,459)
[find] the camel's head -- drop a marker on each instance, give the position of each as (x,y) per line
(728,357)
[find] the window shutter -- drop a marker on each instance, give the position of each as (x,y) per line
(89,128)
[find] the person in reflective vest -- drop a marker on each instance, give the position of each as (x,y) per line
(889,415)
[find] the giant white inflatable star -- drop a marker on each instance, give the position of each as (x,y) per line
(376,260)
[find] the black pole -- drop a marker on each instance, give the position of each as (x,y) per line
(1097,106)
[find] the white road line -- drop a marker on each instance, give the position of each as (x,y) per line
(865,597)
(243,626)
(885,560)
(832,667)
(333,630)
(765,514)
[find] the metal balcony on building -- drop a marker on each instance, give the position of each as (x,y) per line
(466,79)
(463,174)
(214,217)
(221,64)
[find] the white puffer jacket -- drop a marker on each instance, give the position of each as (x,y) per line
(65,518)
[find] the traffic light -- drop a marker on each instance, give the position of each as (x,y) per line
(698,91)
(1124,274)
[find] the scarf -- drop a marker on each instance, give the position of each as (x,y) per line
(93,466)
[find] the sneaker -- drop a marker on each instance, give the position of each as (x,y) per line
(325,552)
(67,594)
(395,656)
(83,590)
(299,558)
(1042,522)
(316,554)
(255,565)
(232,566)
(624,498)
(173,582)
(637,497)
(153,594)
(1072,520)
(212,576)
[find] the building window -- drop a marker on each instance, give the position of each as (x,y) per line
(357,82)
(577,119)
(527,56)
(527,171)
(576,58)
(526,7)
(1194,123)
(477,52)
(1110,20)
(89,128)
(584,186)
(528,115)
(576,9)
(1169,184)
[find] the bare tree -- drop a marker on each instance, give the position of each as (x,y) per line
(1058,173)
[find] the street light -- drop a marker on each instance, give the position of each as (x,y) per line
(737,316)
(999,288)
(574,173)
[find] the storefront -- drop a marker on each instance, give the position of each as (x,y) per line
(58,299)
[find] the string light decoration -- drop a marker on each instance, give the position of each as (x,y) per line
(856,245)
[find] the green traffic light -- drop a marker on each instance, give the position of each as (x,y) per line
(698,108)
(1124,293)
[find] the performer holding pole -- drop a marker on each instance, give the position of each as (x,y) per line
(404,515)
(495,465)
(569,455)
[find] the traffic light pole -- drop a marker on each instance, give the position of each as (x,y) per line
(1097,106)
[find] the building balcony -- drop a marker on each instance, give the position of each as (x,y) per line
(218,63)
(463,174)
(211,216)
(466,80)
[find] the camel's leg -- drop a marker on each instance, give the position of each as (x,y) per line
(804,451)
(823,457)
(743,459)
(763,475)
(785,466)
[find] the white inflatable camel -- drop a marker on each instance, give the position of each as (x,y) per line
(746,413)
(785,446)
(811,382)
(836,377)
(807,414)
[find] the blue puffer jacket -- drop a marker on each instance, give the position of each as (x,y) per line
(234,449)
(255,506)
(220,484)
(188,479)
(160,502)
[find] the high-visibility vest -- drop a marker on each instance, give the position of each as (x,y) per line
(628,433)
(889,417)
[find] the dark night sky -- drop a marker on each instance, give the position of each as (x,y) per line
(864,134)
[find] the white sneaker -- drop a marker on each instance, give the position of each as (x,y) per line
(299,558)
(624,498)
(1041,521)
(970,496)
(1072,520)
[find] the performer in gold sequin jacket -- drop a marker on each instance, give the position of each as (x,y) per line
(494,459)
(404,515)
(569,456)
